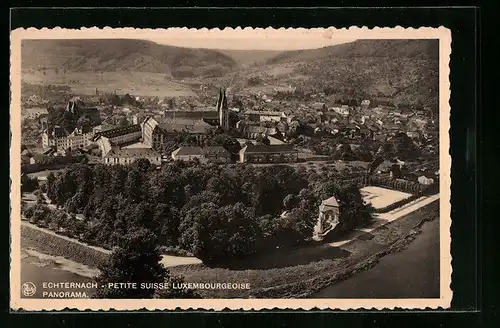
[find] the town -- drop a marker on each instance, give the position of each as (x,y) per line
(275,133)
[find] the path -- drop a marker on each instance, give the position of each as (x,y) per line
(381,219)
(50,232)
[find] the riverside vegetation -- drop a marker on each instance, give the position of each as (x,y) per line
(216,213)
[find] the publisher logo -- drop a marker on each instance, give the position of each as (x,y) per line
(28,289)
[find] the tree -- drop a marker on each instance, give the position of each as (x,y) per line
(353,210)
(37,213)
(296,227)
(135,260)
(167,220)
(133,185)
(263,140)
(84,122)
(214,234)
(59,220)
(40,198)
(28,184)
(289,202)
(123,122)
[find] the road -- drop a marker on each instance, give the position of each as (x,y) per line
(382,219)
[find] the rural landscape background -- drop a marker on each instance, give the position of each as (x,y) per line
(262,215)
(391,71)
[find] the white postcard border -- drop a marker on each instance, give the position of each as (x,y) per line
(441,33)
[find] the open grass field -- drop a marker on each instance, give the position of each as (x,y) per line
(144,84)
(381,197)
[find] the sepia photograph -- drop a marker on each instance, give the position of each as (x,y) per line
(247,168)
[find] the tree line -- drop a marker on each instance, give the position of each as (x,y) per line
(217,213)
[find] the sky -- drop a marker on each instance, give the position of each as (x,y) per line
(254,44)
(249,39)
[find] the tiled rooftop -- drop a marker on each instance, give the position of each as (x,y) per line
(132,152)
(268,149)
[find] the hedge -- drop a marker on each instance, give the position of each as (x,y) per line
(426,190)
(399,184)
(397,204)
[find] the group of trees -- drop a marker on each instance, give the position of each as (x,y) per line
(28,184)
(399,146)
(45,161)
(136,259)
(69,120)
(217,213)
(54,219)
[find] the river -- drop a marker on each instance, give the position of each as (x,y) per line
(410,273)
(39,268)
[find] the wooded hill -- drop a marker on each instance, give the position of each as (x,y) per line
(123,55)
(401,71)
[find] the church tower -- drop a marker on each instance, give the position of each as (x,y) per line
(223,110)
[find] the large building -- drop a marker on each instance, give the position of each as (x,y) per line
(62,140)
(209,116)
(188,154)
(256,131)
(121,135)
(212,154)
(264,116)
(216,154)
(156,132)
(126,156)
(108,140)
(268,154)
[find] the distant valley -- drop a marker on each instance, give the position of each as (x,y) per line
(397,71)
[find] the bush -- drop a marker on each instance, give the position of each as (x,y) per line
(174,251)
(398,184)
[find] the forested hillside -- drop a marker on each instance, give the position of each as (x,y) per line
(122,55)
(404,72)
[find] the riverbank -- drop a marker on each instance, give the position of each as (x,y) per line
(39,268)
(49,243)
(413,272)
(306,280)
(306,271)
(43,240)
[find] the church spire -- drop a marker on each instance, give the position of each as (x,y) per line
(222,109)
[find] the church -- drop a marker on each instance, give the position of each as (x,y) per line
(156,131)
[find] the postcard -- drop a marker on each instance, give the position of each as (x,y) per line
(239,169)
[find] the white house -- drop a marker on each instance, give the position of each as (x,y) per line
(328,219)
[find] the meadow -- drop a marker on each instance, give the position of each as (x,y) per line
(144,84)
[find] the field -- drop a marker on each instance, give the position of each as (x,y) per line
(381,197)
(134,83)
(250,57)
(33,111)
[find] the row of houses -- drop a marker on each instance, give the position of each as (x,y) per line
(248,154)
